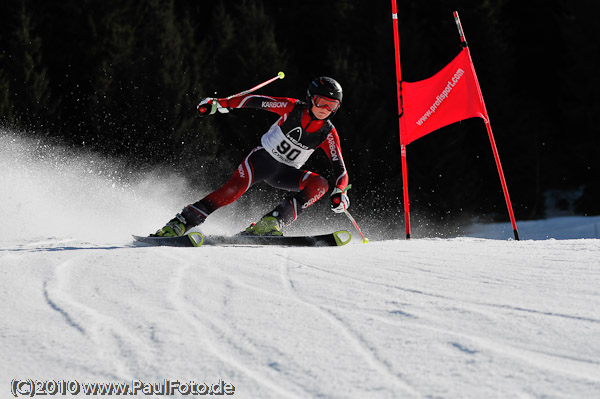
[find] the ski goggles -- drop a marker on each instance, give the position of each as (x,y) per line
(328,103)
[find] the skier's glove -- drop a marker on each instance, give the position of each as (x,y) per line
(339,201)
(209,106)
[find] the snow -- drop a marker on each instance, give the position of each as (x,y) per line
(480,316)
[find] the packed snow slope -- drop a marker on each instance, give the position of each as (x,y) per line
(468,317)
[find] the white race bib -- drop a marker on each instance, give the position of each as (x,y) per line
(286,148)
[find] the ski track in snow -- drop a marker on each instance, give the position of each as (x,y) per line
(114,343)
(425,318)
(212,332)
(357,341)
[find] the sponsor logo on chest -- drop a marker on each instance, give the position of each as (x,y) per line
(294,136)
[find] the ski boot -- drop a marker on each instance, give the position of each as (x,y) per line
(191,216)
(267,226)
(174,228)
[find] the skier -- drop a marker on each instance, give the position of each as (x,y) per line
(286,146)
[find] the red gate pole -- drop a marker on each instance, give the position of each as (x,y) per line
(488,126)
(502,179)
(400,119)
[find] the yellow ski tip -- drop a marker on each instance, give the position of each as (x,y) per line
(197,239)
(281,75)
(342,237)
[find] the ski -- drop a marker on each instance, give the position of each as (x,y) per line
(195,239)
(188,240)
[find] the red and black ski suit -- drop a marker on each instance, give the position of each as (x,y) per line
(284,149)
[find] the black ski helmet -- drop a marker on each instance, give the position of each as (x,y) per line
(326,87)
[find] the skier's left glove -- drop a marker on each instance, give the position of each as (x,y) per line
(339,201)
(209,106)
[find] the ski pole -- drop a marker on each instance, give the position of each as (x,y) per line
(364,239)
(210,106)
(280,75)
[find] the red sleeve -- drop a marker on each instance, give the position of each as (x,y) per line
(279,105)
(332,148)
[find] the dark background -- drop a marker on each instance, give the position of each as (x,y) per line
(123,78)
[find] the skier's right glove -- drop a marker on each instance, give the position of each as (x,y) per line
(209,106)
(339,201)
